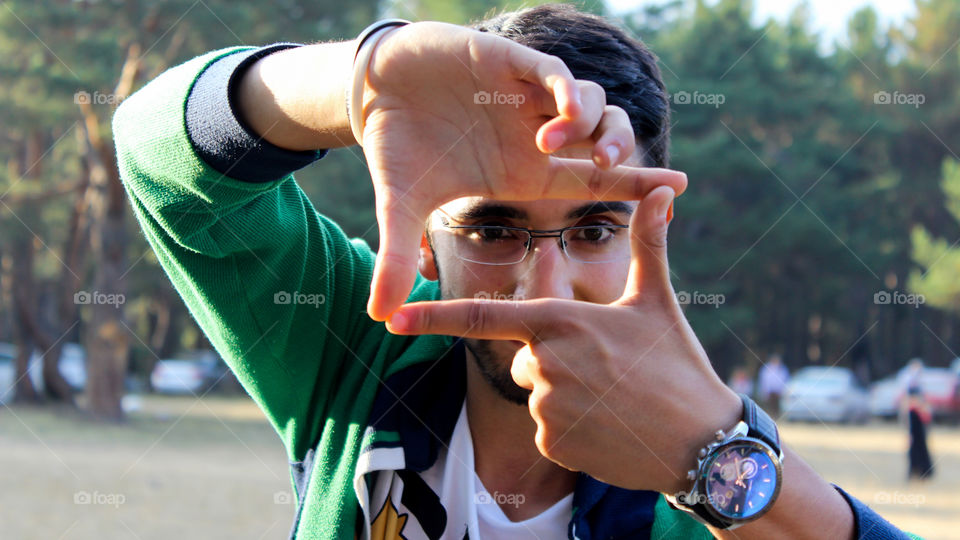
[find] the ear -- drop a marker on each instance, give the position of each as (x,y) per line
(426,264)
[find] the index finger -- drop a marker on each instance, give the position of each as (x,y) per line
(473,318)
(570,178)
(549,72)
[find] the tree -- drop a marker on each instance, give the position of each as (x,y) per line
(938,257)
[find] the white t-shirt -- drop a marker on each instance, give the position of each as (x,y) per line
(454,478)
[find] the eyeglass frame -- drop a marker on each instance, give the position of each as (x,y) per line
(531,234)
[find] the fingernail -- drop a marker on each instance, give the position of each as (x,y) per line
(555,140)
(613,153)
(399,321)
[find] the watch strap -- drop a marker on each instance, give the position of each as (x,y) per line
(761,425)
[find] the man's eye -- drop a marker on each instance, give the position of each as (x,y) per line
(595,233)
(493,234)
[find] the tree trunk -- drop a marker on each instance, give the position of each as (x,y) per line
(107,335)
(27,299)
(21,288)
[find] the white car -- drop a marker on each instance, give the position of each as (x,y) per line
(193,373)
(825,394)
(885,398)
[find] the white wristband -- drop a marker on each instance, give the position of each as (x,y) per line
(366,44)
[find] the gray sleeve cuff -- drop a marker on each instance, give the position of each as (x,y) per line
(220,136)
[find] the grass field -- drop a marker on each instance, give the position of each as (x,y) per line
(184,469)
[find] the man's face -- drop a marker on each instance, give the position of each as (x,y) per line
(545,272)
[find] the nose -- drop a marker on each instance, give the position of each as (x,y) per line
(546,272)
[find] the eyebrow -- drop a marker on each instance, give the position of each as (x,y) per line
(480,209)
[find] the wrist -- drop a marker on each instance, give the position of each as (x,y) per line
(366,46)
(722,410)
(738,475)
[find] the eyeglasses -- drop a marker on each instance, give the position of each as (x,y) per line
(503,245)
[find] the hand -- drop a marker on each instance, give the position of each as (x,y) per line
(430,137)
(623,392)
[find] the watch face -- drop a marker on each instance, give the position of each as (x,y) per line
(741,479)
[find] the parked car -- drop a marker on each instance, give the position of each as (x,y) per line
(7,372)
(72,366)
(826,394)
(194,372)
(885,397)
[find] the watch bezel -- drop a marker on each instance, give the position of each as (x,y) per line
(715,453)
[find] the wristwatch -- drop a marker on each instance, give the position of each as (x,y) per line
(738,474)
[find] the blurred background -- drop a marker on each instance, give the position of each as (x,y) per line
(815,251)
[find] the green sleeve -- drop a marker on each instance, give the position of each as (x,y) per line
(235,251)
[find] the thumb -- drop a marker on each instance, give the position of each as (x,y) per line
(649,270)
(395,270)
(523,367)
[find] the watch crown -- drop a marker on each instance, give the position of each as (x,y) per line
(692,474)
(702,453)
(720,435)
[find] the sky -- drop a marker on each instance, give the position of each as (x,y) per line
(829,17)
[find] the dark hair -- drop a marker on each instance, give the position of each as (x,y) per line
(594,49)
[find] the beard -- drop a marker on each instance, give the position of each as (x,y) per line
(494,366)
(496,370)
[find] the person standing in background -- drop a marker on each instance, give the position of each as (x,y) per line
(909,377)
(918,416)
(741,382)
(773,382)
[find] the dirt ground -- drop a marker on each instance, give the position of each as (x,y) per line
(870,462)
(185,469)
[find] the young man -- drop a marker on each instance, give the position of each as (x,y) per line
(523,147)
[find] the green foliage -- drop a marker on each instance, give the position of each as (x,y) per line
(938,257)
(796,210)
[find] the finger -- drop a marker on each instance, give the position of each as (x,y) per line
(614,137)
(521,369)
(548,72)
(562,131)
(478,319)
(649,271)
(582,179)
(395,269)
